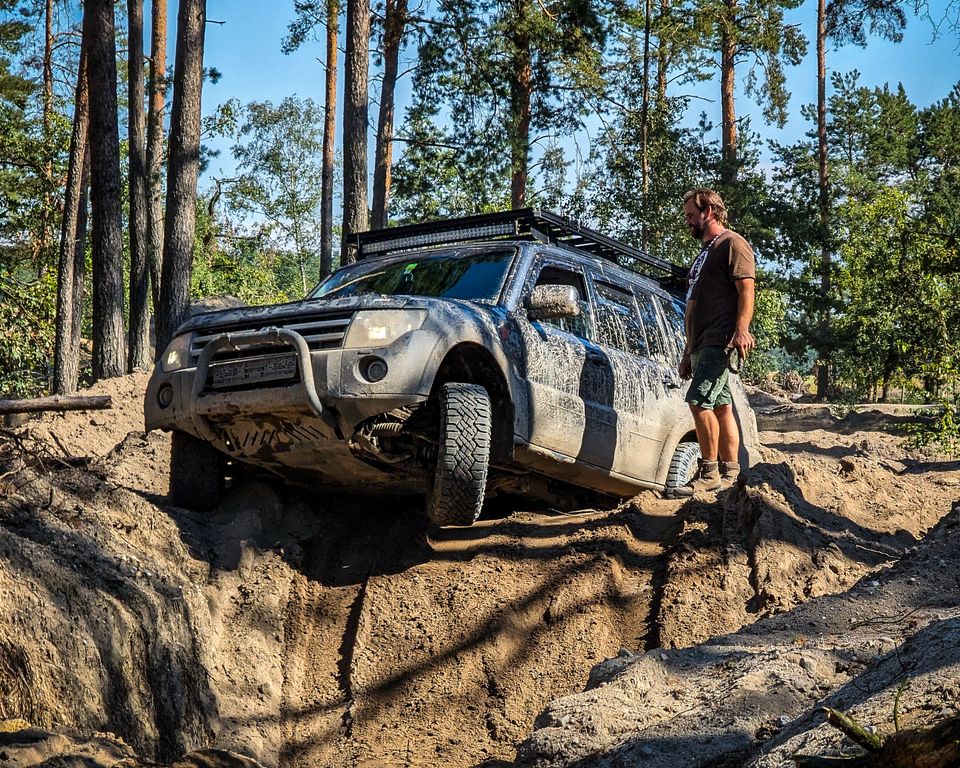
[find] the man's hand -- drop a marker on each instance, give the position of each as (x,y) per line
(686,370)
(742,341)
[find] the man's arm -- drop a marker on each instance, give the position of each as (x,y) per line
(742,340)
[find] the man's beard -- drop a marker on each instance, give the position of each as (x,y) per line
(696,231)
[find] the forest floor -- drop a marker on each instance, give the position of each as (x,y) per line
(298,630)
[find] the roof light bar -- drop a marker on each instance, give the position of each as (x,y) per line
(440,237)
(524,223)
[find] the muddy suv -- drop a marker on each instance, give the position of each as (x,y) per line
(499,354)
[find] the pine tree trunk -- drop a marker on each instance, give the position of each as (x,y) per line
(329,133)
(394,23)
(47,212)
(158,99)
(65,362)
(645,127)
(182,170)
(80,257)
(108,335)
(355,124)
(728,51)
(823,179)
(521,85)
(663,54)
(139,339)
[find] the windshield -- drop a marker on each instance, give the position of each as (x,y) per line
(453,274)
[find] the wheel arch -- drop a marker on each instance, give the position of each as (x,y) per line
(470,363)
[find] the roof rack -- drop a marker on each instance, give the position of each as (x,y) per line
(524,223)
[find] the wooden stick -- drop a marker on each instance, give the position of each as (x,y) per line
(57,403)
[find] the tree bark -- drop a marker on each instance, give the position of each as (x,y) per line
(394,23)
(329,134)
(65,362)
(80,256)
(663,53)
(355,124)
(182,170)
(728,53)
(823,185)
(158,100)
(47,210)
(521,85)
(108,335)
(645,127)
(139,328)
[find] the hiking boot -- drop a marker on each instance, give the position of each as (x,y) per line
(729,472)
(706,480)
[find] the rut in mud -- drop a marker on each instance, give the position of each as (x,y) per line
(315,631)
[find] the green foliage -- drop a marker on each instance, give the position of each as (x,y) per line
(942,430)
(895,282)
(466,122)
(27,312)
(762,39)
(271,229)
(768,328)
(228,262)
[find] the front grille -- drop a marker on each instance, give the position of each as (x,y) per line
(320,332)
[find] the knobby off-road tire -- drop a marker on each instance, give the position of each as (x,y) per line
(683,465)
(196,473)
(460,479)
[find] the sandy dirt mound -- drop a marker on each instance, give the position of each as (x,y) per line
(751,698)
(302,631)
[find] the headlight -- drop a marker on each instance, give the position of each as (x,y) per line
(381,327)
(177,354)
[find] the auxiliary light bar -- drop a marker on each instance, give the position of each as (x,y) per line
(464,234)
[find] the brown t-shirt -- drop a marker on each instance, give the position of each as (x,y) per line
(713,289)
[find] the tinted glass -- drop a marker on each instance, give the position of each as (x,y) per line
(651,323)
(673,312)
(618,325)
(447,274)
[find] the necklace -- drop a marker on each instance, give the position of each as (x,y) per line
(709,245)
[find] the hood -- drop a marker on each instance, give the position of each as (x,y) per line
(276,314)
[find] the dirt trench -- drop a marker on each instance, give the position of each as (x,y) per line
(304,631)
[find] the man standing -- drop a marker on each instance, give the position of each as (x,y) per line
(720,297)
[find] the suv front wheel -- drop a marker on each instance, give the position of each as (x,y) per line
(456,494)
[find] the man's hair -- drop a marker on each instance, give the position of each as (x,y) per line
(704,197)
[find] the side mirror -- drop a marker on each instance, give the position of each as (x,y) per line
(547,302)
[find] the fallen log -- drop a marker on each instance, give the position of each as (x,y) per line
(56,403)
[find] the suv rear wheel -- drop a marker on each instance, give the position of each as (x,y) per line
(197,472)
(683,465)
(460,479)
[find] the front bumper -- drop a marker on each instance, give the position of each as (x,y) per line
(326,400)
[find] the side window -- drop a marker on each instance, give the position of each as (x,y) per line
(618,325)
(673,311)
(648,316)
(581,324)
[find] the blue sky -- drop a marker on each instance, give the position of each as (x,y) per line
(246,49)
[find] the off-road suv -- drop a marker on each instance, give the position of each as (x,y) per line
(503,353)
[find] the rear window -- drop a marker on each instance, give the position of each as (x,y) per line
(618,325)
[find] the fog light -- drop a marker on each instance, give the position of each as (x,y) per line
(373,368)
(165,396)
